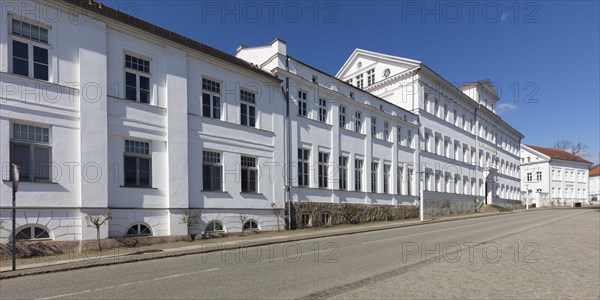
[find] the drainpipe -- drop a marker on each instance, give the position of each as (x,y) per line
(477,152)
(418,161)
(288,133)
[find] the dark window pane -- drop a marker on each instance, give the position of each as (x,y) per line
(133,230)
(20,67)
(44,35)
(130,79)
(40,55)
(243,114)
(206,105)
(244,180)
(216,107)
(40,71)
(206,178)
(130,93)
(42,163)
(144,170)
(24,234)
(216,178)
(144,83)
(16,27)
(21,157)
(144,96)
(252,114)
(252,180)
(20,50)
(40,233)
(130,171)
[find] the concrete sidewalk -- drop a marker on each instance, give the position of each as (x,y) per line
(32,266)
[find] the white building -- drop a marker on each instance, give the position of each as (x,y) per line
(594,184)
(106,113)
(467,151)
(553,177)
(349,145)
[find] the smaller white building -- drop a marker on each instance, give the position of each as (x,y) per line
(551,177)
(594,184)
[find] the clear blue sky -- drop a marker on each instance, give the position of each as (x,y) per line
(542,56)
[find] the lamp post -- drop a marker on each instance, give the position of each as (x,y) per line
(14,177)
(526,197)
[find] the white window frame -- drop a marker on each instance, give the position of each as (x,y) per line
(323,110)
(138,75)
(302,104)
(246,103)
(31,43)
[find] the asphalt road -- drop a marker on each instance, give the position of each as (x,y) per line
(540,254)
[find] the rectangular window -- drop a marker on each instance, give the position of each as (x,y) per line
(211,99)
(358,173)
(31,151)
(343,166)
(529,177)
(249,174)
(386,178)
(538,175)
(137,161)
(370,77)
(359,81)
(374,127)
(211,171)
(302,105)
(409,138)
(374,175)
(342,117)
(409,178)
(358,122)
(303,162)
(325,220)
(322,110)
(399,135)
(446,113)
(305,220)
(30,50)
(323,169)
(386,131)
(247,108)
(137,79)
(399,180)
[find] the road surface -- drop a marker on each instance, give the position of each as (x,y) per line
(539,254)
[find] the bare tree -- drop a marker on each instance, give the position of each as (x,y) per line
(243,219)
(277,212)
(96,221)
(578,148)
(190,219)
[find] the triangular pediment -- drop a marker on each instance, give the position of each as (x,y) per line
(384,65)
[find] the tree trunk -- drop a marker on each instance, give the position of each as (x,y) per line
(98,239)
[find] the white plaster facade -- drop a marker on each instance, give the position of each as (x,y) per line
(82,108)
(553,177)
(467,152)
(346,124)
(144,160)
(594,183)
